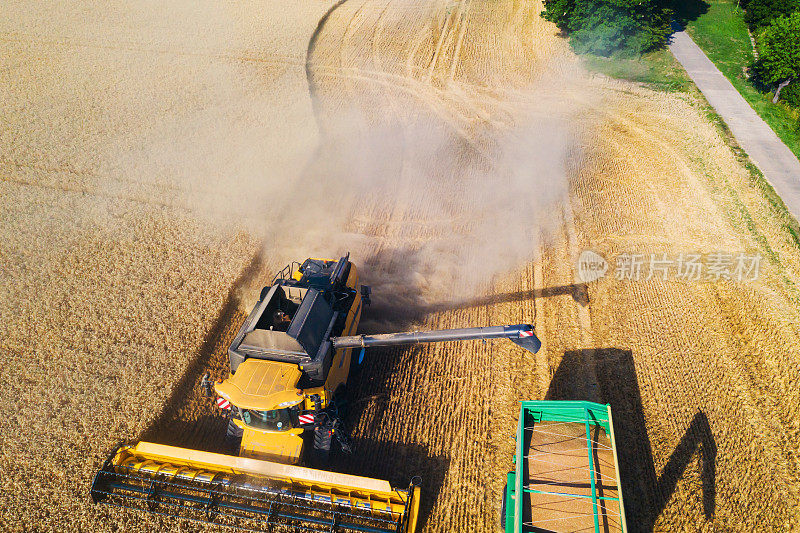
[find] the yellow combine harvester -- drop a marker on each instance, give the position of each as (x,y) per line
(289,365)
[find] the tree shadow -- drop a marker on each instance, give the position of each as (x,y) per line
(689,10)
(645,493)
(684,12)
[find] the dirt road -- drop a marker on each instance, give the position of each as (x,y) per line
(461,155)
(779,165)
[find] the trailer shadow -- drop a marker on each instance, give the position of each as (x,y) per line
(645,493)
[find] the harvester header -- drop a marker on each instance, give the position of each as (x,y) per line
(251,494)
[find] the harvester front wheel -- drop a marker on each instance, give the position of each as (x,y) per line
(321,451)
(233,435)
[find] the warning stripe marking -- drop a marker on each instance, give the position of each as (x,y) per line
(306,419)
(223,403)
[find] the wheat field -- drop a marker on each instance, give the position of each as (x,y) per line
(159,162)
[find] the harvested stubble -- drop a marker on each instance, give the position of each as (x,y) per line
(418,103)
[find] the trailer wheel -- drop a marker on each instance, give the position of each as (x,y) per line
(503,509)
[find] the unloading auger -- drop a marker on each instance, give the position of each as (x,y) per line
(284,397)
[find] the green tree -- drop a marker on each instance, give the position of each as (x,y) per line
(779,52)
(606,26)
(759,13)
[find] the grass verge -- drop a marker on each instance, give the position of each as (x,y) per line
(722,34)
(658,69)
(661,71)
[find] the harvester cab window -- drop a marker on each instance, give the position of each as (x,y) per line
(274,420)
(316,272)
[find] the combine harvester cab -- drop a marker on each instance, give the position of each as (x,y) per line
(289,363)
(566,476)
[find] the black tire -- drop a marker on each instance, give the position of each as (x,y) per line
(503,509)
(233,434)
(321,451)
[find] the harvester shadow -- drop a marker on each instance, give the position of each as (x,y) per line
(397,463)
(578,292)
(188,419)
(645,493)
(398,294)
(414,313)
(369,392)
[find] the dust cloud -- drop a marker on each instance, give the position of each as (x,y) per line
(429,215)
(432,208)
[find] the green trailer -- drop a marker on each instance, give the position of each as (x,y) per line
(566,474)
